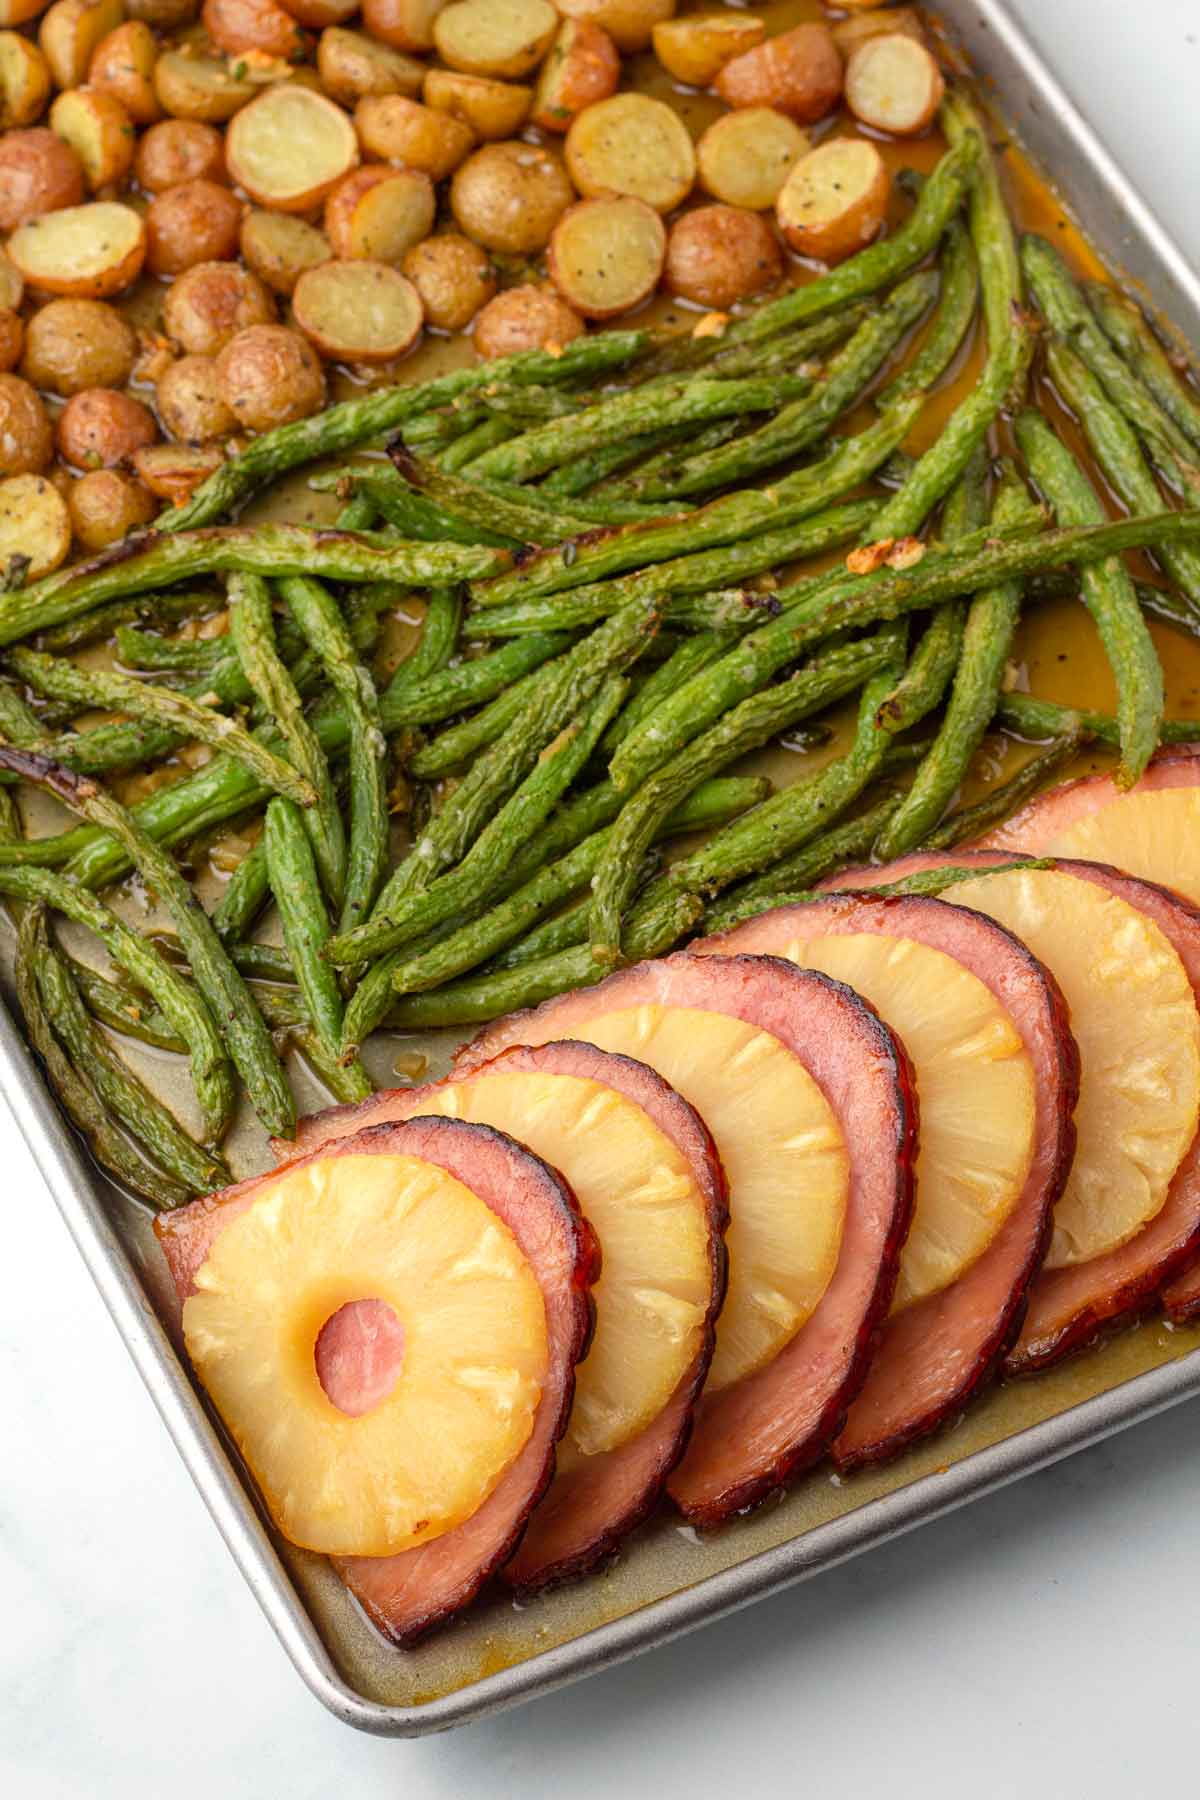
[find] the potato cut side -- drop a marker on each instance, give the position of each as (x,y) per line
(24,80)
(493,109)
(641,1198)
(695,50)
(974,1090)
(745,157)
(35,528)
(1134,1017)
(377,1227)
(893,84)
(784,1157)
(1153,833)
(834,200)
(94,250)
(495,37)
(358,311)
(100,132)
(607,255)
(632,144)
(279,248)
(289,147)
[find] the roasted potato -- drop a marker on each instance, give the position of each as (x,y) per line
(94,250)
(123,65)
(279,248)
(38,174)
(718,255)
(501,38)
(106,504)
(19,12)
(405,24)
(69,33)
(71,345)
(209,304)
(199,87)
(238,25)
(178,150)
(174,471)
(194,222)
(378,213)
(100,427)
(493,109)
(99,131)
(454,278)
(352,66)
(834,200)
(358,312)
(606,256)
(289,148)
(396,129)
(584,65)
(695,50)
(269,376)
(629,23)
(632,144)
(35,527)
(509,197)
(189,403)
(877,21)
(12,338)
(798,73)
(745,157)
(894,85)
(24,81)
(317,14)
(12,288)
(525,318)
(26,437)
(163,15)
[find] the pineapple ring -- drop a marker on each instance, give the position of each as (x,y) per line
(345,1228)
(1152,833)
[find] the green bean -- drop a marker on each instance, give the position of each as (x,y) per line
(246,893)
(113,1005)
(562,932)
(583,473)
(694,653)
(1107,593)
(415,516)
(19,724)
(1130,332)
(971,822)
(264,962)
(167,608)
(348,1082)
(520,518)
(802,869)
(458,743)
(1032,718)
(782,351)
(472,444)
(168,656)
(957,300)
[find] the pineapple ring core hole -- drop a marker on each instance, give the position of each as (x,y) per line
(358,1353)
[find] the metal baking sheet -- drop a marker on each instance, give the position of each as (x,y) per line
(668,1580)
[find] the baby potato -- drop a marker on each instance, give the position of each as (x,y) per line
(404,24)
(629,23)
(26,437)
(494,37)
(101,427)
(799,73)
(38,174)
(745,157)
(193,222)
(351,66)
(525,318)
(358,312)
(189,402)
(174,471)
(396,129)
(696,49)
(12,288)
(606,255)
(377,214)
(289,148)
(69,33)
(877,21)
(199,87)
(718,255)
(493,109)
(209,304)
(24,80)
(509,197)
(269,375)
(123,65)
(632,144)
(19,12)
(71,345)
(178,150)
(317,14)
(35,527)
(834,200)
(583,66)
(163,15)
(12,338)
(894,85)
(95,250)
(279,247)
(237,25)
(100,132)
(105,505)
(453,277)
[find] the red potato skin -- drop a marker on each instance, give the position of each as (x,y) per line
(408,1594)
(934,1356)
(592,1507)
(752,1438)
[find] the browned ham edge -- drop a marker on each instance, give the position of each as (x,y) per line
(1037,826)
(754,1436)
(408,1594)
(933,1356)
(597,1502)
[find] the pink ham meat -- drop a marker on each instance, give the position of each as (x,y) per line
(406,1595)
(755,1435)
(591,1507)
(936,1354)
(1181,1297)
(1039,824)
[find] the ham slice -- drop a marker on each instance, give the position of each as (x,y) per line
(596,1502)
(1036,827)
(406,1595)
(752,1437)
(934,1355)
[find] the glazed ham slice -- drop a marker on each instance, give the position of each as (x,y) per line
(1038,826)
(754,1435)
(598,1499)
(406,1595)
(936,1353)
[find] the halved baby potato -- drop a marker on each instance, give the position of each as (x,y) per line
(26,435)
(745,157)
(799,73)
(238,25)
(35,527)
(352,66)
(718,255)
(187,397)
(606,256)
(19,12)
(876,21)
(893,84)
(70,32)
(123,65)
(493,109)
(12,288)
(193,222)
(211,302)
(494,37)
(24,80)
(378,213)
(12,338)
(695,50)
(96,250)
(38,175)
(174,471)
(404,24)
(358,312)
(280,247)
(177,150)
(628,23)
(509,197)
(632,144)
(199,87)
(583,66)
(525,318)
(105,505)
(834,200)
(269,375)
(454,278)
(290,147)
(399,130)
(100,132)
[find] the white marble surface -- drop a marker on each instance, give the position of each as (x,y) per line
(1042,1642)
